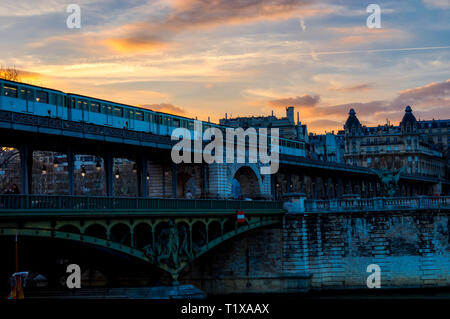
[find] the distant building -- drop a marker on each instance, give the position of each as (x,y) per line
(287,126)
(327,147)
(420,146)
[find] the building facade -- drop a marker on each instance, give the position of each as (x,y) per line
(418,146)
(327,147)
(287,126)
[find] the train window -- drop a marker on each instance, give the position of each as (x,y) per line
(191,125)
(10,90)
(176,123)
(106,109)
(129,113)
(118,111)
(147,117)
(26,94)
(139,115)
(85,105)
(95,107)
(56,99)
(41,97)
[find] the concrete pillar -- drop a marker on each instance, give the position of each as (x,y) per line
(174,180)
(204,174)
(26,168)
(141,164)
(70,171)
(109,163)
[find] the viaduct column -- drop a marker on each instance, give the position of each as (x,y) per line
(26,167)
(141,163)
(174,180)
(70,164)
(108,160)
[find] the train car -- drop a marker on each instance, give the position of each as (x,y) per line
(25,98)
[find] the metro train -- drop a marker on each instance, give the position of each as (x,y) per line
(31,99)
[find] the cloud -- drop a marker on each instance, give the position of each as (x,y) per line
(443,4)
(323,124)
(361,35)
(164,107)
(23,75)
(430,96)
(428,101)
(134,44)
(205,14)
(298,101)
(354,88)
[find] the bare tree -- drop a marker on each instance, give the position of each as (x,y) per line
(9,73)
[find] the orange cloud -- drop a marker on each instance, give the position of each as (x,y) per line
(299,101)
(354,88)
(361,35)
(201,14)
(134,45)
(165,107)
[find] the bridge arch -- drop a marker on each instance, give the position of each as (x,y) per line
(246,181)
(143,235)
(121,233)
(96,230)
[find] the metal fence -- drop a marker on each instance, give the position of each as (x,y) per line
(8,201)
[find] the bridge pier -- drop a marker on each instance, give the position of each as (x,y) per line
(108,161)
(70,171)
(141,163)
(26,167)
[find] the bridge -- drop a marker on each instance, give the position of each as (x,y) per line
(172,233)
(169,233)
(311,220)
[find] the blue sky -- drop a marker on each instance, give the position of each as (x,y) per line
(205,58)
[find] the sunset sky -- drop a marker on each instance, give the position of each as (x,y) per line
(248,57)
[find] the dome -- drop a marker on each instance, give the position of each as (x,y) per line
(409,117)
(352,120)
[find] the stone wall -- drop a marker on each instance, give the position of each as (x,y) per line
(412,248)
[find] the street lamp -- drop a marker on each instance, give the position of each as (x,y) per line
(134,168)
(44,170)
(55,163)
(117,174)
(98,166)
(148,176)
(83,171)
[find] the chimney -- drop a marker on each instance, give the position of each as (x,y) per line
(226,116)
(272,112)
(298,117)
(290,113)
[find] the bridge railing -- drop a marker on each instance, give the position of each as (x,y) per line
(13,201)
(377,203)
